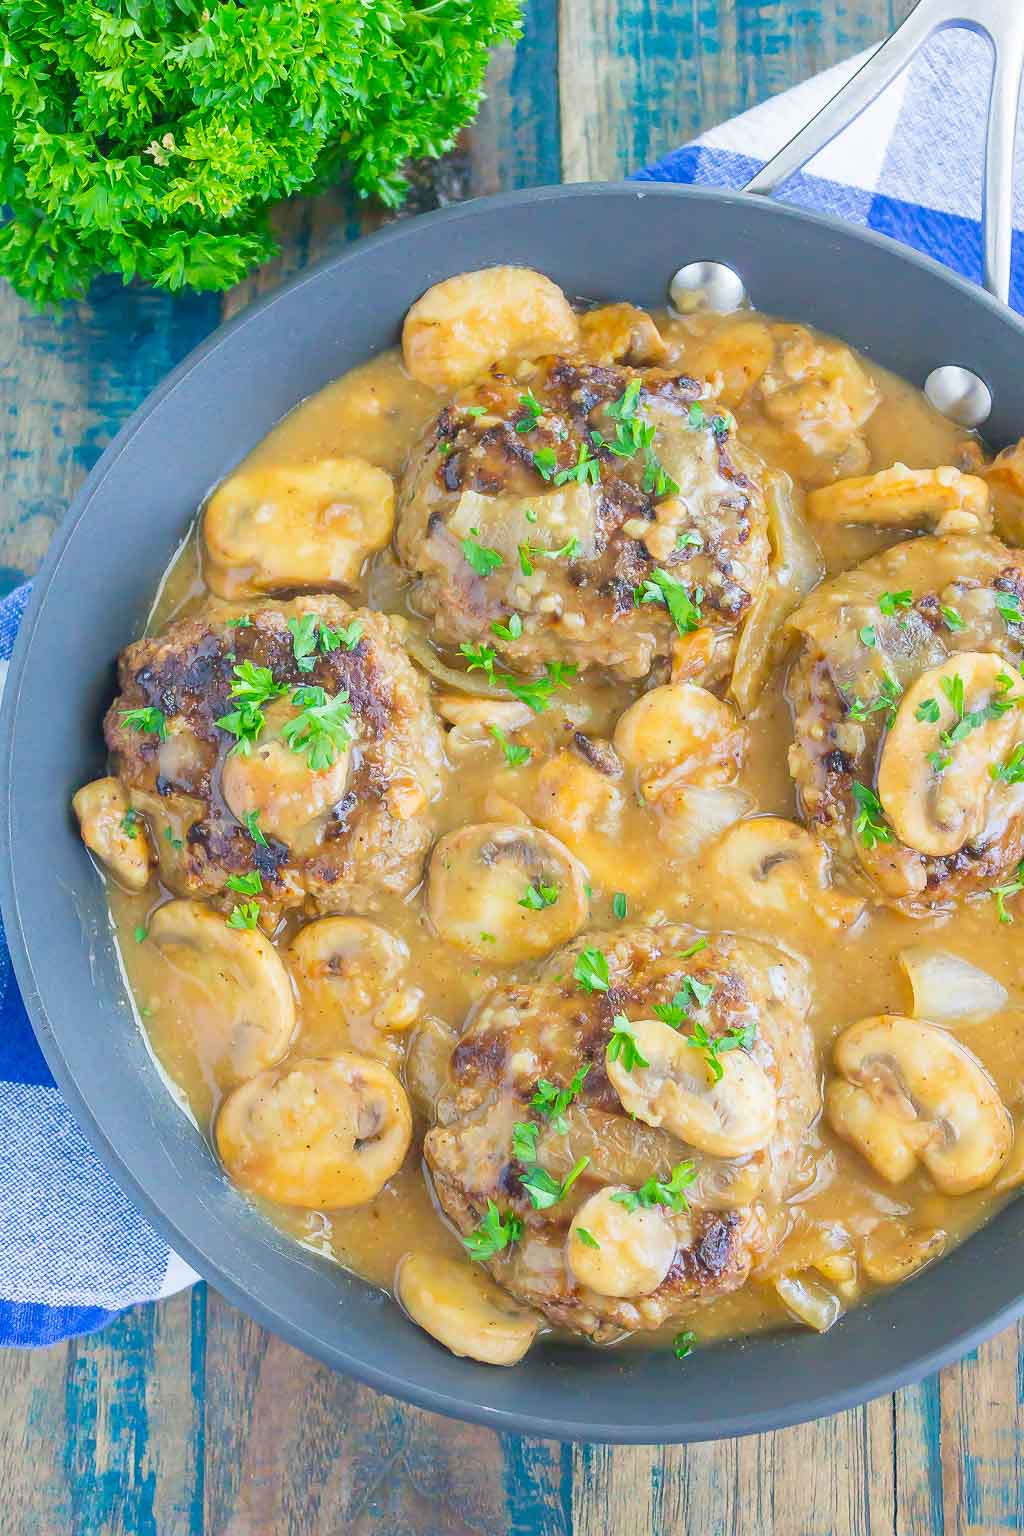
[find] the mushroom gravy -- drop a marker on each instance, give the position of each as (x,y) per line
(843,1228)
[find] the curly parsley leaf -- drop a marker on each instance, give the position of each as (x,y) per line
(150,720)
(252,826)
(657,1192)
(481,557)
(245,885)
(493,1234)
(869,824)
(553,1101)
(245,915)
(1003,892)
(591,970)
(683,606)
(515,756)
(539,896)
(322,730)
(623,1045)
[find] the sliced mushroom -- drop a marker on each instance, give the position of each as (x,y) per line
(727,1118)
(479,889)
(690,819)
(817,392)
(574,797)
(769,867)
(461,1307)
(426,1062)
(889,1253)
(461,326)
(621,333)
(321,1134)
(734,357)
(114,833)
(936,809)
(357,969)
(947,500)
(680,733)
(473,720)
(303,525)
(946,987)
(908,1093)
(629,1252)
(236,979)
(278,783)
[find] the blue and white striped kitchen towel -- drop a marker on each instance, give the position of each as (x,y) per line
(72,1249)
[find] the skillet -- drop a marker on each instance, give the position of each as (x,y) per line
(95,589)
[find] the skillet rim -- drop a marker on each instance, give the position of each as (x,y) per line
(158,1212)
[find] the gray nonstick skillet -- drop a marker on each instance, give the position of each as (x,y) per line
(94,591)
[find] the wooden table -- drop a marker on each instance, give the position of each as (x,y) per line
(187,1417)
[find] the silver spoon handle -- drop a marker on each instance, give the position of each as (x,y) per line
(1002,23)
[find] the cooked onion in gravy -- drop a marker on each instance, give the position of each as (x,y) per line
(565,823)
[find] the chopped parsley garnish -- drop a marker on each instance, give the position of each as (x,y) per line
(740,1037)
(694,949)
(511,631)
(141,934)
(304,639)
(243,622)
(245,885)
(252,826)
(684,1343)
(951,618)
(868,636)
(524,1141)
(656,1192)
(928,710)
(672,1013)
(1009,607)
(150,720)
(627,405)
(938,761)
(130,822)
(349,635)
(869,824)
(528,553)
(515,756)
(623,1045)
(691,539)
(1012,771)
(545,462)
(1002,892)
(545,1191)
(591,970)
(887,700)
(530,515)
(487,938)
(619,905)
(322,730)
(968,720)
(695,416)
(538,897)
(534,411)
(691,990)
(683,607)
(953,688)
(657,481)
(586,1238)
(245,915)
(169,837)
(587,468)
(553,1101)
(475,410)
(483,559)
(252,688)
(889,602)
(493,1234)
(537,694)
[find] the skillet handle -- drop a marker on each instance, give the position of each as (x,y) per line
(1002,23)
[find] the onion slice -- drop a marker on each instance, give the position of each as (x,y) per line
(795,567)
(423,653)
(946,987)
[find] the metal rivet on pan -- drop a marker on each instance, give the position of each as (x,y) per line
(707,285)
(959,394)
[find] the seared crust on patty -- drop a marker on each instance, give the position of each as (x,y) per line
(550,1028)
(486,470)
(374,839)
(853,651)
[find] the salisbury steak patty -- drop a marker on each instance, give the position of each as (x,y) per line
(548,1031)
(335,819)
(589,511)
(906,701)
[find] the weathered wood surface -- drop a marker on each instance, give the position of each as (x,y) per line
(187,1417)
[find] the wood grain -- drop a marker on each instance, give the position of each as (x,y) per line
(187,1417)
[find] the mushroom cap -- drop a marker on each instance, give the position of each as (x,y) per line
(727,1117)
(479,880)
(317,1133)
(239,981)
(680,732)
(635,1248)
(461,1307)
(922,1089)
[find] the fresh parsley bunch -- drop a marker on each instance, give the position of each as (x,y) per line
(148,138)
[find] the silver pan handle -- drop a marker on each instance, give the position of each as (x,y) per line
(1002,23)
